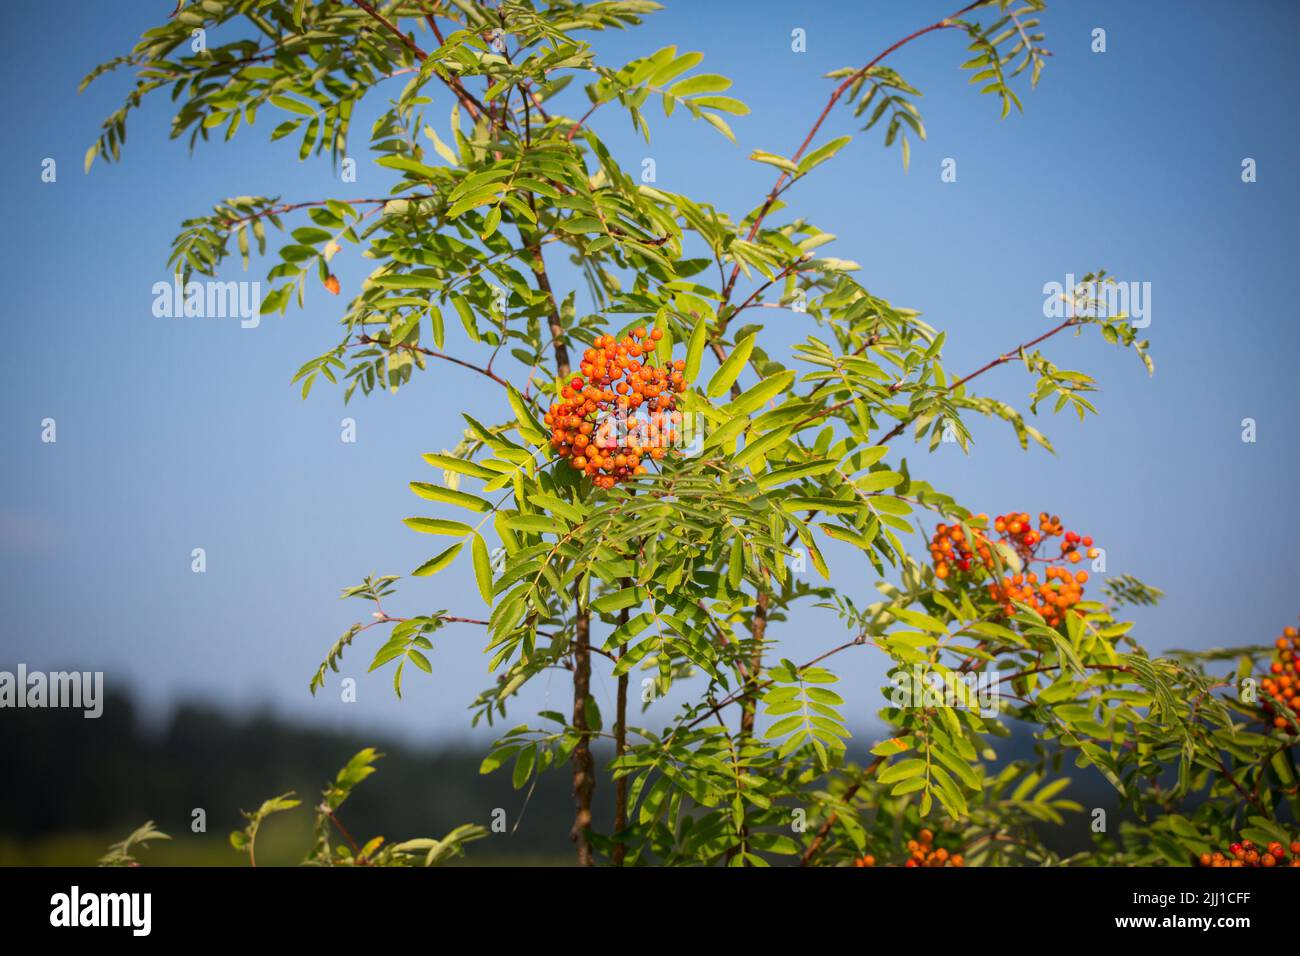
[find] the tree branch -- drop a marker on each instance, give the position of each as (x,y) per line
(824,830)
(821,118)
(364,339)
(1000,360)
(473,106)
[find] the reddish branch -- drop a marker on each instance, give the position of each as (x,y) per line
(824,830)
(472,105)
(364,339)
(826,110)
(393,28)
(780,185)
(578,125)
(1000,360)
(898,386)
(282,208)
(898,429)
(359,857)
(754,686)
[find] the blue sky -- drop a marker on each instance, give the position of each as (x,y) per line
(185,433)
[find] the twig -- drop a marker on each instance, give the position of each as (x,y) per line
(830,104)
(364,339)
(830,821)
(1000,360)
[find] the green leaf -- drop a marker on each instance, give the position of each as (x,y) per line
(758,395)
(780,162)
(441,148)
(406,164)
(903,770)
(730,370)
(482,567)
(460,466)
(758,448)
(626,597)
(794,473)
(294,106)
(823,153)
(523,767)
(498,757)
(466,317)
(437,563)
(695,349)
(437,526)
(703,83)
(450,496)
(538,524)
(879,481)
(405,280)
(562,508)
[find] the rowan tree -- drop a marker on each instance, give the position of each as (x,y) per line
(655,468)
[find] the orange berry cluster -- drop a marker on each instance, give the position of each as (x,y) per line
(1284,680)
(1057,593)
(950,549)
(1247,853)
(1019,531)
(595,423)
(1058,590)
(923,852)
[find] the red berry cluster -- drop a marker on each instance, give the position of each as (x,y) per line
(1058,590)
(1247,853)
(1283,681)
(595,423)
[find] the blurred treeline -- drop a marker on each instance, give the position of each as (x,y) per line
(73,786)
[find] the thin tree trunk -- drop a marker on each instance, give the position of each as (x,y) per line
(749,705)
(758,630)
(562,367)
(584,772)
(620,747)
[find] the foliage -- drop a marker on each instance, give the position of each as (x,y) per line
(686,572)
(325,852)
(121,854)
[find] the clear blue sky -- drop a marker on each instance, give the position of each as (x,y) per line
(177,434)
